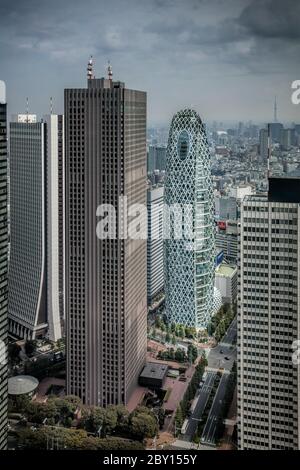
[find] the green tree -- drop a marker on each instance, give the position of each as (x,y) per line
(180,355)
(30,346)
(14,352)
(143,425)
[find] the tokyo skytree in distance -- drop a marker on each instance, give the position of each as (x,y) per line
(189,259)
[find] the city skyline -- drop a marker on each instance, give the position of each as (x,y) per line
(149,226)
(242,55)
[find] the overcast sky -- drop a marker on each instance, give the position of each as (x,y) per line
(227,58)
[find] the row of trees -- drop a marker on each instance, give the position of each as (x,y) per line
(54,411)
(175,329)
(117,420)
(221,321)
(64,439)
(185,403)
(179,354)
(44,367)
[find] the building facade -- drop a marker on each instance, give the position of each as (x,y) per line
(226,282)
(3,269)
(268,318)
(55,224)
(36,253)
(27,295)
(263,144)
(106,279)
(155,249)
(189,258)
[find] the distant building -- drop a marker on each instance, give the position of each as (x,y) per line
(288,138)
(275,131)
(155,261)
(227,241)
(263,144)
(239,192)
(226,207)
(156,159)
(226,282)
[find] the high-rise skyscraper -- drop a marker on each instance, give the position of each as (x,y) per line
(156,159)
(189,260)
(33,299)
(27,297)
(275,131)
(55,229)
(106,279)
(155,259)
(269,318)
(263,144)
(3,268)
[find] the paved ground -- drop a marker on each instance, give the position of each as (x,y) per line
(136,398)
(45,384)
(209,431)
(216,356)
(199,407)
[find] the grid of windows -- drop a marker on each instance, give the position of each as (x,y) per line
(268,322)
(105,279)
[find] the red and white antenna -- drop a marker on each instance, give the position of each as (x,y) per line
(90,73)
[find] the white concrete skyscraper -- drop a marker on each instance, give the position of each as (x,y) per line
(189,260)
(269,318)
(36,160)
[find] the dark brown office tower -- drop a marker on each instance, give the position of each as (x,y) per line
(106,329)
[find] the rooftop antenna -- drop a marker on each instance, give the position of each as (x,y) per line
(275,109)
(269,151)
(109,71)
(90,73)
(51,105)
(27,109)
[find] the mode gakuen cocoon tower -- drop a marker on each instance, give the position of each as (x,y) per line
(189,261)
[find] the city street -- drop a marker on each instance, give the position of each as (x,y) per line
(220,357)
(225,349)
(199,408)
(208,435)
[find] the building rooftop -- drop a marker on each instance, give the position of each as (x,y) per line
(226,270)
(22,384)
(154,370)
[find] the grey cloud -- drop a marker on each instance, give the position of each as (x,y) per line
(272,19)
